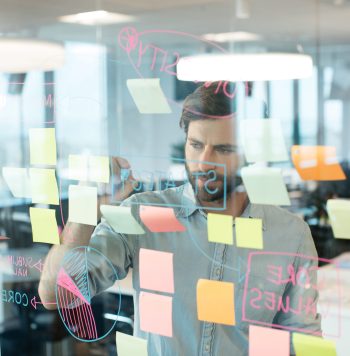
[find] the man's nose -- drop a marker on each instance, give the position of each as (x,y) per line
(206,161)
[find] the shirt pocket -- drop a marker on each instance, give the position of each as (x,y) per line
(257,301)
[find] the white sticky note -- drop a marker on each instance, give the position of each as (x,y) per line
(42,144)
(148,96)
(339,215)
(263,140)
(43,186)
(18,181)
(265,185)
(121,219)
(82,204)
(128,345)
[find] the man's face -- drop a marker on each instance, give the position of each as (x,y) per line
(211,142)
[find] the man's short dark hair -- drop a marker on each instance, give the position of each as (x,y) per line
(207,102)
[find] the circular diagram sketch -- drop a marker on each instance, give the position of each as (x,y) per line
(83,318)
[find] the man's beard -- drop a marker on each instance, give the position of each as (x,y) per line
(207,193)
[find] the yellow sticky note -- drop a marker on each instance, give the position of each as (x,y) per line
(249,233)
(220,228)
(43,186)
(78,167)
(44,225)
(306,345)
(215,302)
(128,345)
(82,204)
(339,213)
(89,168)
(42,145)
(99,169)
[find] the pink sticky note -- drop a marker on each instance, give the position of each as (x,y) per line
(156,270)
(156,313)
(159,219)
(267,341)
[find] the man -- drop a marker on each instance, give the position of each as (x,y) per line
(267,290)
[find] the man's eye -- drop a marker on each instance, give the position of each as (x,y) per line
(225,150)
(196,145)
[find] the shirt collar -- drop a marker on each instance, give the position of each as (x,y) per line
(190,205)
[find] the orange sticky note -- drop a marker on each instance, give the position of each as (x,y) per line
(156,270)
(267,341)
(317,163)
(159,219)
(215,302)
(156,313)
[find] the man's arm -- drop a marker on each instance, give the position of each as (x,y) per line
(75,235)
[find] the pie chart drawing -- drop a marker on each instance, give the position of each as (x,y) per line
(73,295)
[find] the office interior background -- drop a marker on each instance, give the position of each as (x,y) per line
(70,74)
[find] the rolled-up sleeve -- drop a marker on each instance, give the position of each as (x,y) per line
(118,250)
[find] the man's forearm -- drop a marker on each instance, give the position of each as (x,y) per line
(72,236)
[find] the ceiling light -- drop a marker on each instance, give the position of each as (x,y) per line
(244,67)
(238,36)
(99,17)
(24,55)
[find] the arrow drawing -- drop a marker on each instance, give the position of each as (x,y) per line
(34,302)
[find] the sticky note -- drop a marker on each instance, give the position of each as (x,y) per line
(215,302)
(78,167)
(268,341)
(44,225)
(156,313)
(18,181)
(99,169)
(265,185)
(42,146)
(43,186)
(339,215)
(89,168)
(317,163)
(128,345)
(121,219)
(82,204)
(156,270)
(220,228)
(249,233)
(148,96)
(306,345)
(159,219)
(262,140)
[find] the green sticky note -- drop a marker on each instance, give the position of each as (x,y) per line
(42,145)
(128,345)
(306,345)
(43,186)
(121,219)
(265,185)
(339,212)
(249,233)
(44,225)
(220,228)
